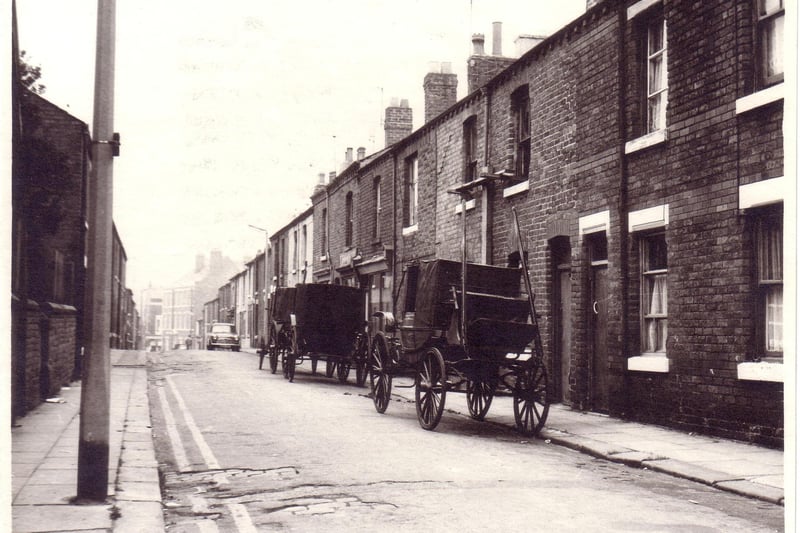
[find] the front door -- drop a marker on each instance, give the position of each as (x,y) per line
(599,362)
(563,329)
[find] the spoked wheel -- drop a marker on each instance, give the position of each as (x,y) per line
(272,350)
(479,397)
(361,360)
(380,379)
(531,402)
(342,371)
(330,368)
(431,389)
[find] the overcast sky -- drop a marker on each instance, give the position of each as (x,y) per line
(229,110)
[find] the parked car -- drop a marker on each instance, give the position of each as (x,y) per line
(223,335)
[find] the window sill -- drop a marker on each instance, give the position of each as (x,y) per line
(646,141)
(761,371)
(469,205)
(759,99)
(649,363)
(410,230)
(323,258)
(516,189)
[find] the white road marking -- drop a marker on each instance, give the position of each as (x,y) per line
(242,518)
(205,451)
(238,511)
(172,431)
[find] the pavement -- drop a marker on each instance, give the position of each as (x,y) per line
(44,446)
(44,460)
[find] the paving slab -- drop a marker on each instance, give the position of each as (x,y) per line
(136,517)
(689,471)
(139,491)
(129,473)
(48,518)
(54,494)
(61,476)
(754,490)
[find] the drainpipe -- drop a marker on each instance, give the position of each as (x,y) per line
(394,231)
(622,86)
(487,211)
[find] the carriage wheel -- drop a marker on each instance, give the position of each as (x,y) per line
(361,360)
(379,378)
(342,371)
(272,350)
(479,397)
(431,389)
(531,402)
(330,368)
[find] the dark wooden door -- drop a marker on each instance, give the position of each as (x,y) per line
(599,314)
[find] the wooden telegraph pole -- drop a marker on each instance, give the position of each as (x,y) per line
(93,453)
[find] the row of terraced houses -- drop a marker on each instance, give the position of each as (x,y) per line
(642,146)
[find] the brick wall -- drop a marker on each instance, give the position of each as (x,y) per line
(61,338)
(709,153)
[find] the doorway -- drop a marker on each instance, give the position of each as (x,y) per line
(598,313)
(562,326)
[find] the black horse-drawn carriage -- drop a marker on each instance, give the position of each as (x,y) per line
(469,328)
(314,321)
(475,337)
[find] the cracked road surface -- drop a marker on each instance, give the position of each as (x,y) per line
(245,450)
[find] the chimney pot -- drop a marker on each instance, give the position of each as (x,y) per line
(497,38)
(321,178)
(332,175)
(404,102)
(348,155)
(477,44)
(361,153)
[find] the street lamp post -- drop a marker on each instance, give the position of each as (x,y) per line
(266,276)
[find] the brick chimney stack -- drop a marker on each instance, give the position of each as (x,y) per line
(320,186)
(526,42)
(481,67)
(440,86)
(397,123)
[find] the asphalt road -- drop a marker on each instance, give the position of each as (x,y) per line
(244,450)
